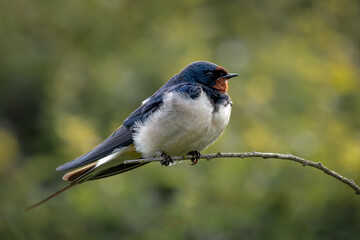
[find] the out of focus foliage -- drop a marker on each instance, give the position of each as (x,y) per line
(71,72)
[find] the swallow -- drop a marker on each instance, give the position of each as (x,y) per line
(185,116)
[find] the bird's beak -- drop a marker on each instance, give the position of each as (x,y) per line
(229,75)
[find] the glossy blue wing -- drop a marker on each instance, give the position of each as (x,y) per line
(120,138)
(145,110)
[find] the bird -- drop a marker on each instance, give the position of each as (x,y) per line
(185,116)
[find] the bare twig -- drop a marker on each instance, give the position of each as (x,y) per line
(289,157)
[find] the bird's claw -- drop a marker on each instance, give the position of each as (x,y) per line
(195,157)
(167,160)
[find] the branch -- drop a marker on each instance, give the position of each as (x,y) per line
(289,157)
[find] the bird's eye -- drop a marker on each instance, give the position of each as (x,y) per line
(210,73)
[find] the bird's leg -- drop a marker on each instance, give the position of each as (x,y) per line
(195,157)
(167,159)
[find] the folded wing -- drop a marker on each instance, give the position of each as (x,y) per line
(120,139)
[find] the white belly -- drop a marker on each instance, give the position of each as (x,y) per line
(180,126)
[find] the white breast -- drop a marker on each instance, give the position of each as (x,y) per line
(180,126)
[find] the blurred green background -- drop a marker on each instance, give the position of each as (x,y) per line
(72,71)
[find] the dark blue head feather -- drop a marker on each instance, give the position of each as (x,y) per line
(201,72)
(198,72)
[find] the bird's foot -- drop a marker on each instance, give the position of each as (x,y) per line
(167,160)
(195,157)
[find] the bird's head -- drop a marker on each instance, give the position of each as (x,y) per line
(209,74)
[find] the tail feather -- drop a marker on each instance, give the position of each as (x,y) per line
(50,197)
(117,170)
(73,175)
(111,165)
